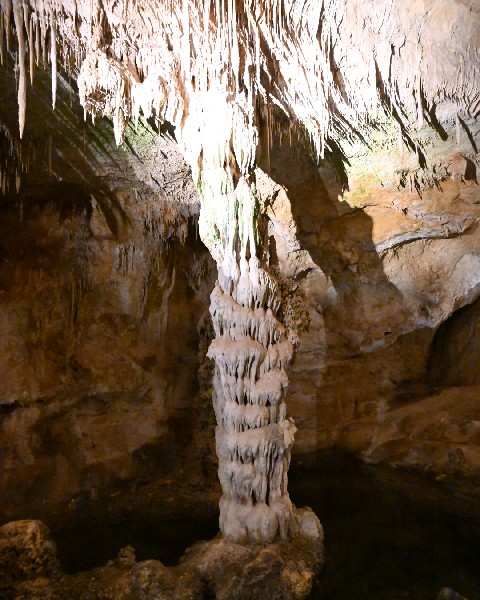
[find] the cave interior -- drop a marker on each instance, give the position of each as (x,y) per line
(239,299)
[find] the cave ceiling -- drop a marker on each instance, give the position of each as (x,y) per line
(390,87)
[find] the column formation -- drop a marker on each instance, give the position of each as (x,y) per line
(250,350)
(253,435)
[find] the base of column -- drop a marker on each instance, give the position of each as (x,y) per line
(244,523)
(268,571)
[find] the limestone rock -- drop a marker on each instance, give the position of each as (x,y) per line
(218,568)
(27,552)
(449,594)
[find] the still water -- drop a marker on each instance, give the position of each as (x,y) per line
(389,534)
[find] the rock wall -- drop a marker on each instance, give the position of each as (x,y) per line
(103,282)
(98,352)
(385,368)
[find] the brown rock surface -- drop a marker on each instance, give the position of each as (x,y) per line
(102,285)
(26,552)
(218,568)
(379,279)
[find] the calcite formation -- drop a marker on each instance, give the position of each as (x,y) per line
(250,351)
(254,436)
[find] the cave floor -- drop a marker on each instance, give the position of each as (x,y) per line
(390,534)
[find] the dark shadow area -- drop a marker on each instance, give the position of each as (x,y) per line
(432,120)
(59,148)
(65,197)
(338,238)
(455,351)
(471,139)
(389,534)
(471,171)
(92,543)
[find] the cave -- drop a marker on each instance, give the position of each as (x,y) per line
(239,299)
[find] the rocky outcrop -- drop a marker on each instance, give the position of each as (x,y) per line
(217,568)
(27,552)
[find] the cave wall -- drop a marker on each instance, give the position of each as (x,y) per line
(99,344)
(385,367)
(104,286)
(104,331)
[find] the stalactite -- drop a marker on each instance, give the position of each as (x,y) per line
(37,41)
(53,56)
(22,81)
(6,7)
(2,38)
(286,53)
(31,55)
